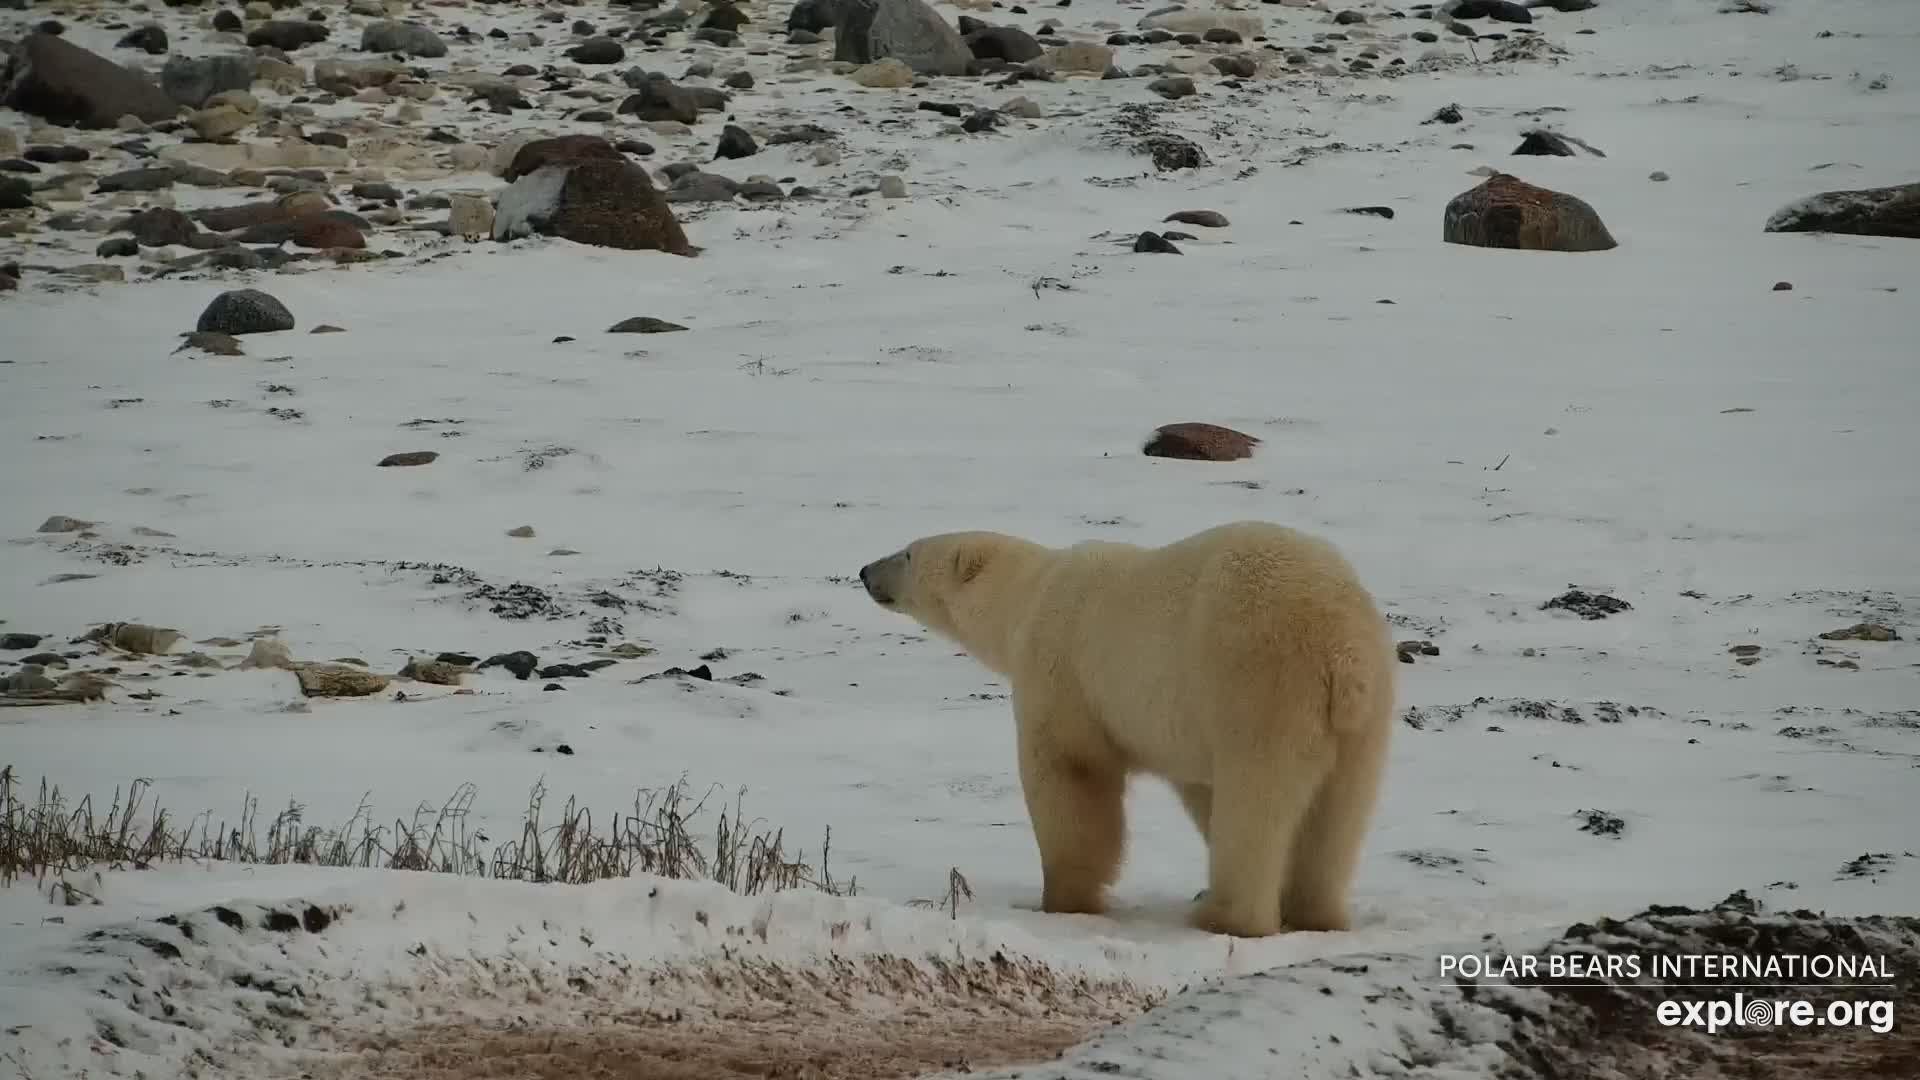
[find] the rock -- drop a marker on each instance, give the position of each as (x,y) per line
(1783,286)
(811,16)
(1349,18)
(735,142)
(211,341)
(1587,605)
(245,311)
(1211,219)
(470,217)
(1169,151)
(659,99)
(218,123)
(246,215)
(192,80)
(1658,177)
(150,39)
(906,30)
(884,74)
(1507,212)
(19,642)
(437,672)
(235,99)
(893,187)
(324,232)
(137,181)
(698,186)
(1009,43)
(1153,243)
(724,16)
(348,77)
(740,80)
(644,324)
(1542,143)
(287,35)
(1375,211)
(1498,10)
(58,81)
(410,39)
(1022,107)
(1864,631)
(560,150)
(1077,57)
(1885,211)
(603,203)
(1199,442)
(138,638)
(61,523)
(1173,87)
(599,50)
(267,652)
(160,226)
(521,532)
(408,458)
(1236,67)
(521,664)
(338,680)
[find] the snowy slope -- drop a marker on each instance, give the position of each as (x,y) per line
(1656,423)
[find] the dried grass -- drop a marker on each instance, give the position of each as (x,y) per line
(48,838)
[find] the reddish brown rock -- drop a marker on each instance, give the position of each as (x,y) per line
(324,231)
(604,203)
(246,215)
(562,150)
(1200,442)
(1508,212)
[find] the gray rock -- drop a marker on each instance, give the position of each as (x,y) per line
(245,311)
(1885,211)
(191,81)
(153,179)
(699,186)
(402,37)
(287,34)
(907,30)
(811,16)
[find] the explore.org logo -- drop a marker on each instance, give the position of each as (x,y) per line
(1746,1012)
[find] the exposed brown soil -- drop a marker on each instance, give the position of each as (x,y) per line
(788,1043)
(881,1018)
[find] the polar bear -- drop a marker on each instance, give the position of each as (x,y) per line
(1245,664)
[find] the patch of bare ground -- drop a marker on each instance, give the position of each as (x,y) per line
(874,1018)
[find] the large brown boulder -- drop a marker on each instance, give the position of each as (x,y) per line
(62,83)
(1886,211)
(591,201)
(561,150)
(1508,212)
(1200,442)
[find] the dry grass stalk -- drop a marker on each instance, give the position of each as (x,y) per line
(47,838)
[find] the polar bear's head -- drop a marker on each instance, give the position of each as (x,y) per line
(966,586)
(941,581)
(928,574)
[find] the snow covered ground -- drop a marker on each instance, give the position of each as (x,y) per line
(1480,430)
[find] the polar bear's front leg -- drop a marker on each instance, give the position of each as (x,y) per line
(1075,803)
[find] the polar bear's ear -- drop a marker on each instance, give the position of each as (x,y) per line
(968,561)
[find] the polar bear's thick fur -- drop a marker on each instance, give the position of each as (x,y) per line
(1245,664)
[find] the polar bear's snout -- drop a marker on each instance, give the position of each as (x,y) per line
(882,578)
